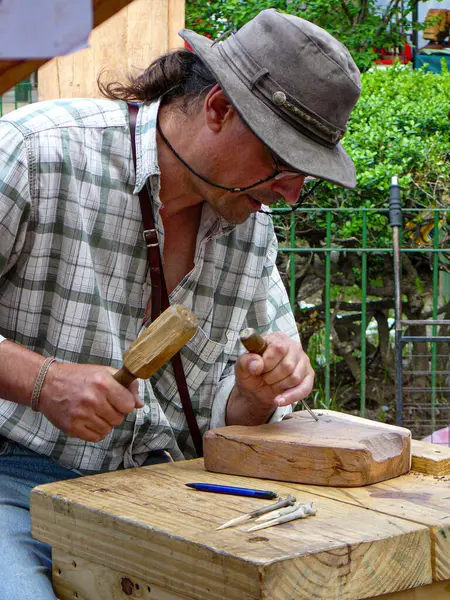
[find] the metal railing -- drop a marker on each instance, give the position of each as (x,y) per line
(23,93)
(434,247)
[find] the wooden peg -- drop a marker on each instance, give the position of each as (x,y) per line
(157,344)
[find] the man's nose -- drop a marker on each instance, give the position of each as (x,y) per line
(289,188)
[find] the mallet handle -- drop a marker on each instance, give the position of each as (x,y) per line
(124,377)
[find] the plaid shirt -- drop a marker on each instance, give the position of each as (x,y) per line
(74,281)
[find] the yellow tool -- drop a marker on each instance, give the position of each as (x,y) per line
(421,230)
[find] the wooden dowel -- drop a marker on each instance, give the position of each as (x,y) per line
(124,377)
(253,341)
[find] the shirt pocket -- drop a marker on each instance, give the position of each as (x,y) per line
(199,355)
(202,358)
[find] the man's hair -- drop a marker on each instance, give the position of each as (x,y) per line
(176,76)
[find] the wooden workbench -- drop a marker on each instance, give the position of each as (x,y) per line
(142,533)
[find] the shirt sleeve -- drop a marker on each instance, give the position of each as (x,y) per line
(15,198)
(270,311)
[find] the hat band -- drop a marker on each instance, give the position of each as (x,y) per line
(260,83)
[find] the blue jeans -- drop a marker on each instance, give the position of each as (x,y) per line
(25,563)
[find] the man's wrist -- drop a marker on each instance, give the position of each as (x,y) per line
(39,382)
(245,409)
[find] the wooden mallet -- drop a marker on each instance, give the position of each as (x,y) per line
(157,344)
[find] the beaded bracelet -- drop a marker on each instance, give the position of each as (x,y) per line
(39,383)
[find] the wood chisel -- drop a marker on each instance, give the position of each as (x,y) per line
(256,344)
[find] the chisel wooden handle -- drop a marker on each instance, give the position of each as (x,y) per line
(157,344)
(253,341)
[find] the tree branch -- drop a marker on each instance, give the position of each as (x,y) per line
(388,14)
(346,11)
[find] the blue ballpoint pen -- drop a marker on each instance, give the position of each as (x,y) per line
(229,489)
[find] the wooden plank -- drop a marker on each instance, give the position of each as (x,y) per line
(126,43)
(75,577)
(176,19)
(15,71)
(148,524)
(91,581)
(423,499)
(338,449)
(432,459)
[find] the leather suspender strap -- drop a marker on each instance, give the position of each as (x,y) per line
(150,234)
(160,297)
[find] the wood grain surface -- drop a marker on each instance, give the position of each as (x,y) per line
(433,459)
(435,591)
(126,43)
(423,499)
(147,524)
(338,450)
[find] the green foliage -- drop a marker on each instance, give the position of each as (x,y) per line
(214,17)
(400,127)
(359,24)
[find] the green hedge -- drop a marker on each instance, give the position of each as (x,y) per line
(400,126)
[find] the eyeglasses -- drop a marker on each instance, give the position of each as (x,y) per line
(282,171)
(279,173)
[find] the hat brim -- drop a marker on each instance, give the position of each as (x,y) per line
(294,148)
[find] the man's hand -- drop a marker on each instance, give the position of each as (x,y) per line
(85,401)
(281,376)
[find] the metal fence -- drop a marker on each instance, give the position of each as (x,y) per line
(418,393)
(18,96)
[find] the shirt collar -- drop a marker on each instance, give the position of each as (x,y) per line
(146,149)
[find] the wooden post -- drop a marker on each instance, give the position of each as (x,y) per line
(128,41)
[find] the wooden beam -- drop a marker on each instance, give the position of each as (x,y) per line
(432,459)
(420,498)
(15,71)
(104,9)
(147,526)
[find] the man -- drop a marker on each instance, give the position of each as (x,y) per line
(222,133)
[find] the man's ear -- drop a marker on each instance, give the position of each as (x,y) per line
(218,109)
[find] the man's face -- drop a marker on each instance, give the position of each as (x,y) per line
(240,159)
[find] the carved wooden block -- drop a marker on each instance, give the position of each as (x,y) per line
(337,450)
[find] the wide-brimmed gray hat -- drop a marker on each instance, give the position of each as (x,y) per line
(293,84)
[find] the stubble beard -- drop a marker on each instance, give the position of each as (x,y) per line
(237,209)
